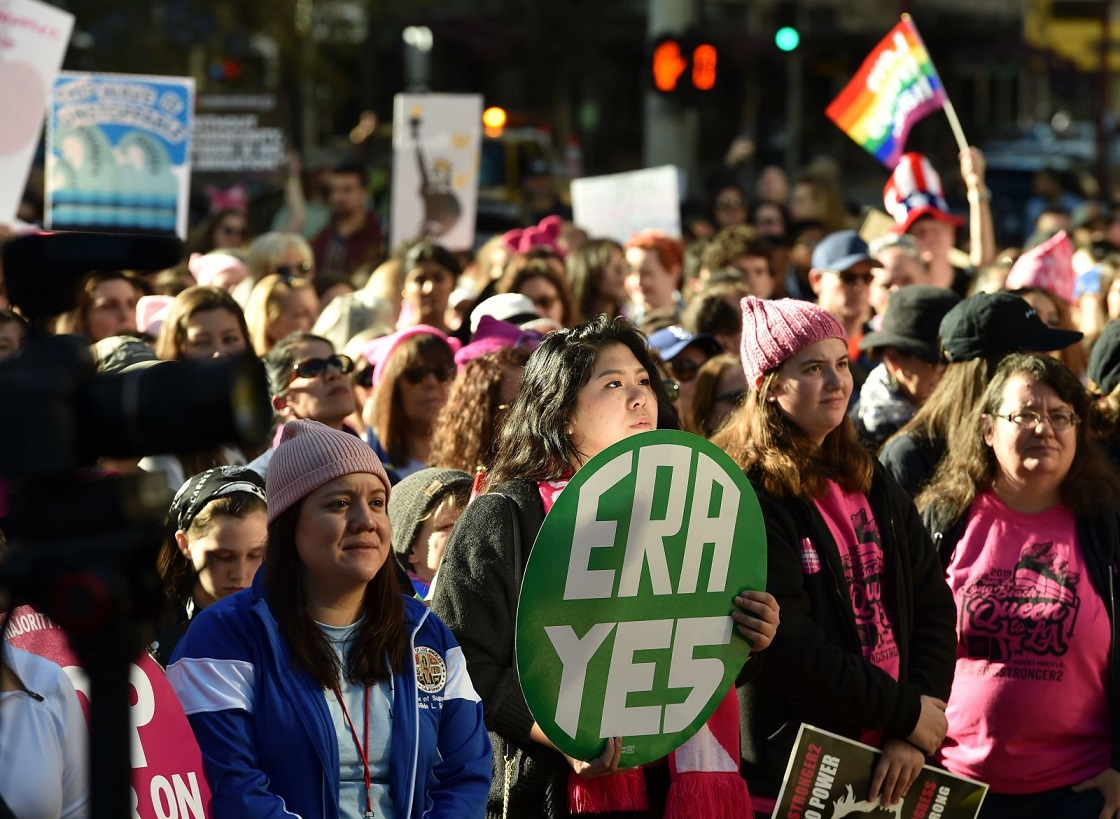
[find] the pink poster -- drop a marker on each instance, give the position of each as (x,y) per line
(167,779)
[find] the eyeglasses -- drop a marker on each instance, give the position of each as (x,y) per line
(544,302)
(234,230)
(735,397)
(315,367)
(849,278)
(684,369)
(1059,421)
(415,375)
(289,271)
(672,388)
(729,202)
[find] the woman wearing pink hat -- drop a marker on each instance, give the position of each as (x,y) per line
(866,647)
(321,691)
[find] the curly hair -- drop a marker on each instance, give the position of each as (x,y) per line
(969,467)
(732,243)
(466,430)
(774,451)
(535,442)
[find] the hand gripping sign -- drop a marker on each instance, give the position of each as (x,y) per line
(624,622)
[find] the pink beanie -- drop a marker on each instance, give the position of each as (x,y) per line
(1049,267)
(206,267)
(311,454)
(775,330)
(378,350)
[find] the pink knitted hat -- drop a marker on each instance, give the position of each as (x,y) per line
(1048,267)
(775,330)
(311,454)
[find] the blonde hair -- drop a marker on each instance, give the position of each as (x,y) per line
(268,250)
(265,304)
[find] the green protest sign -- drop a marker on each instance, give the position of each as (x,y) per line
(623,624)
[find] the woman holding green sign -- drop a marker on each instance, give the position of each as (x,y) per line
(867,644)
(583,389)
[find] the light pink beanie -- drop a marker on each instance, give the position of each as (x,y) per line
(775,330)
(311,454)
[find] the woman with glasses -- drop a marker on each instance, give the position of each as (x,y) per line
(225,229)
(720,389)
(684,354)
(540,275)
(1026,513)
(279,306)
(412,373)
(287,254)
(307,379)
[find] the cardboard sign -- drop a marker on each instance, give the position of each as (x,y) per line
(167,777)
(33,39)
(621,204)
(623,624)
(118,153)
(436,152)
(829,777)
(239,134)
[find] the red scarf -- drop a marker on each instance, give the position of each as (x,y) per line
(704,780)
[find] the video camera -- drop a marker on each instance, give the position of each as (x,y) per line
(83,544)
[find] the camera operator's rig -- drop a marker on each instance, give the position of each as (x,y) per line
(82,545)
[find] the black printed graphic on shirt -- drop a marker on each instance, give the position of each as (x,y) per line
(863,567)
(1026,614)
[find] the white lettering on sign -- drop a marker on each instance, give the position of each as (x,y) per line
(591,533)
(626,676)
(700,675)
(702,530)
(140,713)
(575,654)
(645,541)
(177,799)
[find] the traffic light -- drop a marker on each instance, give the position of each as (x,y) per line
(787,38)
(683,64)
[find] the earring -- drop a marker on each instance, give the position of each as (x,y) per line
(892,383)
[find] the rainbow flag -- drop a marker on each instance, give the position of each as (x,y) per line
(895,87)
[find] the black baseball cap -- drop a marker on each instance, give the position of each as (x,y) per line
(1104,361)
(991,324)
(913,317)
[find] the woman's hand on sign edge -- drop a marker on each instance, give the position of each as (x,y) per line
(1108,783)
(897,769)
(756,617)
(603,765)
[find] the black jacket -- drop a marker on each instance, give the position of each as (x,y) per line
(911,460)
(1099,538)
(815,671)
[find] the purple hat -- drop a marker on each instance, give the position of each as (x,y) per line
(493,335)
(378,350)
(311,454)
(775,330)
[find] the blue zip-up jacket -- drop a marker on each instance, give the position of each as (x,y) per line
(269,745)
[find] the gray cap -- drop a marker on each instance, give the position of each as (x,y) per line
(415,496)
(117,353)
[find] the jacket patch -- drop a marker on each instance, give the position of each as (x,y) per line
(431,670)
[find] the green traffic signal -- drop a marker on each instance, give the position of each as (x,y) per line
(787,38)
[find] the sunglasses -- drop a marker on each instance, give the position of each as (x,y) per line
(364,378)
(545,302)
(232,230)
(849,278)
(672,388)
(415,375)
(315,367)
(684,369)
(290,271)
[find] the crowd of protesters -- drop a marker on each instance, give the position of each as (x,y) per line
(930,424)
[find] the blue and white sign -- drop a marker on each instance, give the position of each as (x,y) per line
(118,153)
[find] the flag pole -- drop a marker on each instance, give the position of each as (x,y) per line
(947,105)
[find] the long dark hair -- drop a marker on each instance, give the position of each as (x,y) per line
(773,450)
(380,647)
(193,300)
(1090,487)
(534,442)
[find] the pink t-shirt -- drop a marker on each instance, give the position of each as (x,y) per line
(853,527)
(1029,709)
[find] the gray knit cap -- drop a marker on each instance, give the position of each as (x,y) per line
(415,496)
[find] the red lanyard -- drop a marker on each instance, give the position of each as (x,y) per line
(363,750)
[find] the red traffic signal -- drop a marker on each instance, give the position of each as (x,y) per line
(683,64)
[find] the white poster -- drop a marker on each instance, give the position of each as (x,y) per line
(33,40)
(436,144)
(620,204)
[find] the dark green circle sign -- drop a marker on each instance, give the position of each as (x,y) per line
(623,624)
